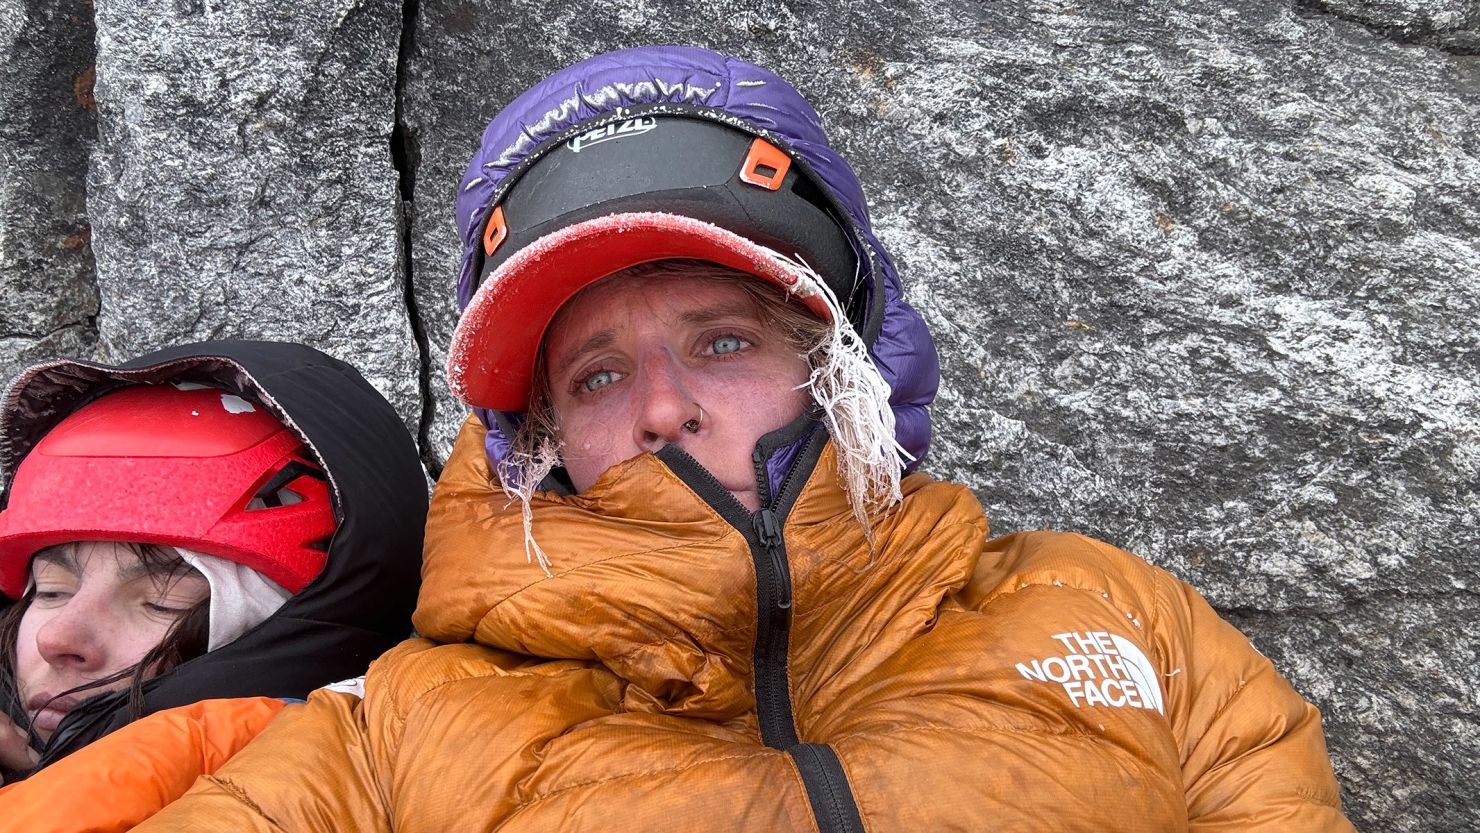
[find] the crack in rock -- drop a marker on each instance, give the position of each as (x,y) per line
(404,157)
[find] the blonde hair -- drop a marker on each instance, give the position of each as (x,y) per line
(845,384)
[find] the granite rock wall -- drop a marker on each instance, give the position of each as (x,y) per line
(48,295)
(1204,274)
(1452,25)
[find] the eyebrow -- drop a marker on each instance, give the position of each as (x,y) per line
(165,575)
(66,560)
(709,315)
(601,340)
(700,317)
(139,569)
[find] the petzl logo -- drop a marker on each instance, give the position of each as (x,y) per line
(615,130)
(1099,669)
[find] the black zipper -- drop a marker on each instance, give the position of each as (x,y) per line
(762,531)
(828,792)
(773,635)
(768,530)
(822,773)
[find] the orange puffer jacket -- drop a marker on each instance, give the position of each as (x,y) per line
(1039,682)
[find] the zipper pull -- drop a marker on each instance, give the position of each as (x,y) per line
(767,528)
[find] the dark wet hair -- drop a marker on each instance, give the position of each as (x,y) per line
(187,638)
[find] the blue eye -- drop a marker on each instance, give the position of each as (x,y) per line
(727,344)
(598,380)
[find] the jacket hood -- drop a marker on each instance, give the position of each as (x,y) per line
(358,607)
(706,83)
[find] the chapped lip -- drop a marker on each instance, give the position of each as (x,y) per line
(46,709)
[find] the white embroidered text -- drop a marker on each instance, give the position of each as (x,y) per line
(1099,669)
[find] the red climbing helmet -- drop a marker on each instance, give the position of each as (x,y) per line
(177,465)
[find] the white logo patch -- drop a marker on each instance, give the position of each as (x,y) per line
(615,130)
(1099,669)
(354,685)
(236,405)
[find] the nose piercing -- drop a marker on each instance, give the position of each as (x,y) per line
(693,425)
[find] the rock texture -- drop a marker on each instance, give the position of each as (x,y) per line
(243,183)
(47,298)
(1204,274)
(1448,24)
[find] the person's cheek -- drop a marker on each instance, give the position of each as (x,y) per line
(602,427)
(137,633)
(596,435)
(29,665)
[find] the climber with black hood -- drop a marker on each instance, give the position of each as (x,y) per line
(189,541)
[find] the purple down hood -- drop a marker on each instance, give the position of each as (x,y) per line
(899,341)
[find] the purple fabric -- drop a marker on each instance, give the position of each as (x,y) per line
(495,444)
(781,461)
(903,351)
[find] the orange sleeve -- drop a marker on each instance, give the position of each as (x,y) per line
(124,778)
(1254,757)
(313,770)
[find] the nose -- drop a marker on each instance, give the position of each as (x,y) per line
(663,402)
(70,638)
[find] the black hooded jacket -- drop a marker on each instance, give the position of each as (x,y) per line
(357,608)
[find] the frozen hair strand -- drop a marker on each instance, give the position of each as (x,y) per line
(534,451)
(854,400)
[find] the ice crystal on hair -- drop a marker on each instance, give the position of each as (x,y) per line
(532,455)
(854,399)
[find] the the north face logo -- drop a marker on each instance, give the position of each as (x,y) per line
(1099,669)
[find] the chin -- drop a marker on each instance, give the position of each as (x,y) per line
(748,500)
(743,490)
